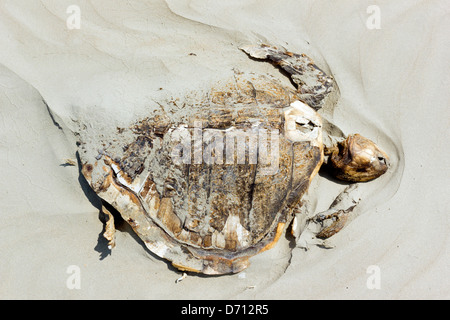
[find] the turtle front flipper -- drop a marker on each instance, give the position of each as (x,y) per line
(313,84)
(315,229)
(336,221)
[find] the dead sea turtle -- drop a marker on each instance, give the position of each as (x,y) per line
(209,188)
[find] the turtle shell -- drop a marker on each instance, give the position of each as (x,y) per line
(208,184)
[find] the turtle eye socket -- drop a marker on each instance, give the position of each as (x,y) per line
(382,159)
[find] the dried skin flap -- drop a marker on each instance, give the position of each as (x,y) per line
(313,84)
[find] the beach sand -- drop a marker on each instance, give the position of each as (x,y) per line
(393,75)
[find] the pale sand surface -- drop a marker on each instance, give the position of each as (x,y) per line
(394,89)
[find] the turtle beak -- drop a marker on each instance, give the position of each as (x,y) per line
(381,164)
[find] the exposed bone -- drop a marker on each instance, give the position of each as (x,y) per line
(300,113)
(181,278)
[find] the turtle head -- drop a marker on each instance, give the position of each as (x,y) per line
(357,159)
